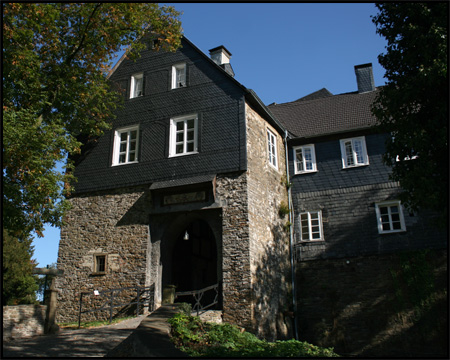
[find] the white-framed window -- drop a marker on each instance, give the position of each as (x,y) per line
(137,85)
(272,148)
(390,217)
(311,228)
(183,135)
(178,76)
(304,159)
(354,152)
(126,144)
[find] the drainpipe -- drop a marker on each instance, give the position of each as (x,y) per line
(291,237)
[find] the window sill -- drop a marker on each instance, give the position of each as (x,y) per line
(98,273)
(391,232)
(306,172)
(311,241)
(184,154)
(354,166)
(127,163)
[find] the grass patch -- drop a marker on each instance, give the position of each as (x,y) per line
(199,339)
(92,324)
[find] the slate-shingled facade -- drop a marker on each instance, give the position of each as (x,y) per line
(220,180)
(185,158)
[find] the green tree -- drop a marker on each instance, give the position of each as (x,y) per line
(19,283)
(413,106)
(56,96)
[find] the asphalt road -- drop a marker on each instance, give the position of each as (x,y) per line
(94,342)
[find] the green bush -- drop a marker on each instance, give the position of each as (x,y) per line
(200,339)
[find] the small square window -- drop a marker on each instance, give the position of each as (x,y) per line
(354,152)
(304,159)
(183,135)
(178,76)
(137,85)
(390,217)
(126,142)
(311,228)
(100,264)
(272,149)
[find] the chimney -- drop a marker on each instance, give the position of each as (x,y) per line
(364,78)
(221,56)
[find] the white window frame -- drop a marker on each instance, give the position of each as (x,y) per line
(354,154)
(272,152)
(304,161)
(176,83)
(308,216)
(173,142)
(118,141)
(380,222)
(134,78)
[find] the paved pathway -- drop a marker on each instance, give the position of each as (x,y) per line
(94,342)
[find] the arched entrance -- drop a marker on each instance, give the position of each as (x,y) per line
(194,258)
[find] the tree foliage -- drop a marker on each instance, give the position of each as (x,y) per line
(55,93)
(19,283)
(413,106)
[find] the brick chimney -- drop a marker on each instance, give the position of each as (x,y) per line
(221,56)
(364,78)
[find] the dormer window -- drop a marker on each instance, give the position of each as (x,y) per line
(137,85)
(178,76)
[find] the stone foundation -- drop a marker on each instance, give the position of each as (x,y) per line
(362,306)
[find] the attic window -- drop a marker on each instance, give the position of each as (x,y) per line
(179,76)
(137,85)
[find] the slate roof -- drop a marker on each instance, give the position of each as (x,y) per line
(322,113)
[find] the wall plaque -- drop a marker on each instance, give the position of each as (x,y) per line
(184,198)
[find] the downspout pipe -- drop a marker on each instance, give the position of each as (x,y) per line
(291,237)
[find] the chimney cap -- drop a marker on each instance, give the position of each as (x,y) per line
(221,47)
(363,66)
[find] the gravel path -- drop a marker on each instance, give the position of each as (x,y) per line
(94,342)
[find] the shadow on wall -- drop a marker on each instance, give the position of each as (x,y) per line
(272,289)
(23,321)
(368,306)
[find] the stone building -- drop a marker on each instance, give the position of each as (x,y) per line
(192,154)
(190,188)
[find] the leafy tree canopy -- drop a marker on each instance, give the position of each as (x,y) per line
(413,106)
(19,283)
(55,93)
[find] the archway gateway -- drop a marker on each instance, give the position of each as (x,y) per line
(194,260)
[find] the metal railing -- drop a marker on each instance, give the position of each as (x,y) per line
(145,296)
(198,296)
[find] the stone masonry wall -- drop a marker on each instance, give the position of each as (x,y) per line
(231,192)
(269,239)
(366,306)
(23,321)
(112,223)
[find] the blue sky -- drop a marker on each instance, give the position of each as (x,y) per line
(283,51)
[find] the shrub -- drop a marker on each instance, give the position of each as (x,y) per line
(225,340)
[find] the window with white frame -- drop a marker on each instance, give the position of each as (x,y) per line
(272,148)
(304,159)
(178,76)
(183,135)
(137,85)
(311,226)
(354,152)
(126,142)
(390,217)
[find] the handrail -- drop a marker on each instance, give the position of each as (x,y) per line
(198,295)
(108,304)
